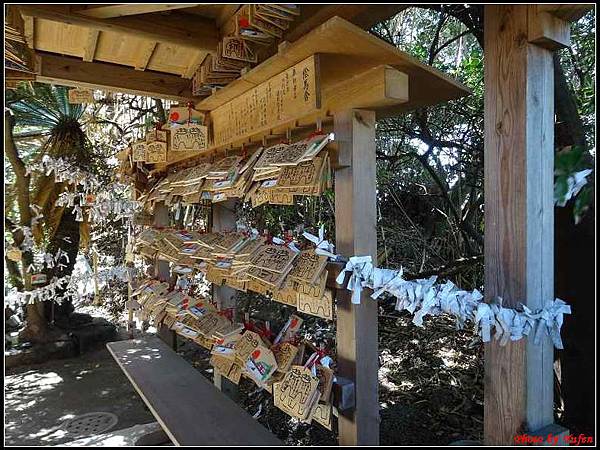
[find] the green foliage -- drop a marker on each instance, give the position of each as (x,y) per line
(570,166)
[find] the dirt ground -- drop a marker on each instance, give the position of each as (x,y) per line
(40,397)
(431,390)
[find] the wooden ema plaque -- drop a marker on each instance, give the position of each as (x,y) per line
(275,258)
(78,96)
(283,98)
(139,151)
(316,306)
(284,355)
(189,137)
(246,345)
(298,393)
(156,152)
(261,364)
(237,48)
(325,376)
(322,415)
(308,267)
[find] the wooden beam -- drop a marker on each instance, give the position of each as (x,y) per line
(194,64)
(145,55)
(89,49)
(356,234)
(111,77)
(519,227)
(127,9)
(364,16)
(177,28)
(568,12)
(547,30)
(29,31)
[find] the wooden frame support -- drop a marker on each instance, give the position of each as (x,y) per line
(223,218)
(68,71)
(519,226)
(356,234)
(178,28)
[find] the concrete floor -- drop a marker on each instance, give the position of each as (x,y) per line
(38,398)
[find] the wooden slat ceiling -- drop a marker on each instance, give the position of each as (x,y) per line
(71,31)
(168,40)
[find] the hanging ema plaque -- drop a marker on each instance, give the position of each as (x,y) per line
(156,152)
(283,98)
(81,96)
(139,151)
(189,137)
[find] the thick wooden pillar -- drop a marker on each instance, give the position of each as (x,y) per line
(519,227)
(223,218)
(356,234)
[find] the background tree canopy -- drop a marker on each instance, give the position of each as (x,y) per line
(430,196)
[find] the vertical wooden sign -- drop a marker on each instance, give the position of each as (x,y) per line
(283,98)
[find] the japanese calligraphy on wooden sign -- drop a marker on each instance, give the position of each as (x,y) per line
(285,97)
(189,137)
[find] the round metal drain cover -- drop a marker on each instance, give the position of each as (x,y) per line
(90,424)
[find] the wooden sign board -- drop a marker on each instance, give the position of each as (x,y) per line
(139,151)
(275,258)
(81,96)
(189,137)
(261,364)
(284,355)
(308,267)
(246,345)
(322,415)
(283,98)
(183,115)
(238,48)
(298,393)
(286,295)
(325,376)
(315,306)
(156,152)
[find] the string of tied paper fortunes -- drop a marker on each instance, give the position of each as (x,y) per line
(68,285)
(101,205)
(424,297)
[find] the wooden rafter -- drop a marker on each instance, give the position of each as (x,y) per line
(89,50)
(177,28)
(145,55)
(127,9)
(567,12)
(68,71)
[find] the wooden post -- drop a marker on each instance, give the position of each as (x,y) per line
(223,218)
(356,234)
(519,227)
(163,272)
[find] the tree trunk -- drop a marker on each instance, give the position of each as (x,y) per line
(68,228)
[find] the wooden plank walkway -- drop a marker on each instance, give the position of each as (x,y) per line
(189,408)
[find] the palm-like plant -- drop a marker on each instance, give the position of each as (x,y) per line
(46,109)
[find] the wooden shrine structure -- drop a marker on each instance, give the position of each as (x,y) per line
(354,79)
